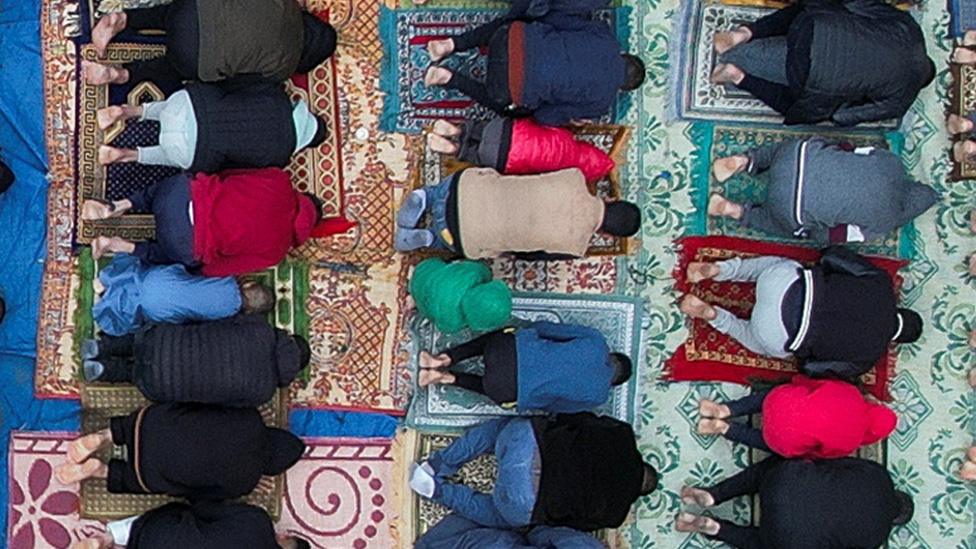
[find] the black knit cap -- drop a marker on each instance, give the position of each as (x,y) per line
(910,326)
(319,45)
(286,450)
(302,544)
(621,218)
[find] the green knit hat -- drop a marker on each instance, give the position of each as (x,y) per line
(441,290)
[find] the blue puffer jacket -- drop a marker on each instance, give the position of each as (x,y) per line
(562,368)
(573,69)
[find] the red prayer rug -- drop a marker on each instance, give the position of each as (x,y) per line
(709,355)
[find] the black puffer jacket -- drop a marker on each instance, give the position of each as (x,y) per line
(237,362)
(867,62)
(247,128)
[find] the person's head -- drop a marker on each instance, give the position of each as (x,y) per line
(621,218)
(256,297)
(319,44)
(931,73)
(321,132)
(487,306)
(285,450)
(319,207)
(622,368)
(292,542)
(634,72)
(906,508)
(650,480)
(909,326)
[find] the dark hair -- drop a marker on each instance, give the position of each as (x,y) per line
(321,132)
(319,43)
(301,543)
(256,297)
(319,205)
(906,508)
(304,350)
(910,324)
(650,481)
(622,368)
(931,74)
(634,72)
(3,309)
(621,218)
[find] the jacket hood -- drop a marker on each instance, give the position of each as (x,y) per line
(881,422)
(305,220)
(285,450)
(915,200)
(289,358)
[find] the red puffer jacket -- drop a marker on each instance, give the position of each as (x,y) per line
(540,149)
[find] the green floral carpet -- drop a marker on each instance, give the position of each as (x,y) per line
(932,397)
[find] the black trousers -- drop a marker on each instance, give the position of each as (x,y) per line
(494,92)
(744,433)
(118,355)
(777,96)
(169,202)
(500,381)
(487,143)
(745,483)
(122,477)
(181,22)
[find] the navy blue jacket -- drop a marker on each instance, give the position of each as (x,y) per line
(573,69)
(562,368)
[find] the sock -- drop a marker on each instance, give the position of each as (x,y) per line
(412,209)
(89,349)
(421,481)
(93,370)
(412,239)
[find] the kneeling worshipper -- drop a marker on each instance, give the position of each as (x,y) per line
(237,362)
(519,146)
(805,418)
(819,61)
(810,194)
(834,503)
(197,525)
(545,366)
(249,40)
(559,66)
(577,470)
(456,532)
(459,295)
(137,294)
(194,451)
(230,223)
(205,128)
(479,213)
(837,317)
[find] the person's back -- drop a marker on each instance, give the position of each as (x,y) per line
(171,294)
(203,524)
(829,504)
(236,362)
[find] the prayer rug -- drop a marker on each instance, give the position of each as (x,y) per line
(708,355)
(42,512)
(434,167)
(419,514)
(341,494)
(721,140)
(962,101)
(692,59)
(59,378)
(410,105)
(101,402)
(441,408)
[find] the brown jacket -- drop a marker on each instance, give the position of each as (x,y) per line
(249,36)
(553,213)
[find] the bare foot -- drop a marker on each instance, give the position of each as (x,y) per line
(93,210)
(696,496)
(718,205)
(956,124)
(971,454)
(724,168)
(446,129)
(972,221)
(437,76)
(696,308)
(440,144)
(687,522)
(727,73)
(108,154)
(104,244)
(712,426)
(105,30)
(972,373)
(429,376)
(439,49)
(71,473)
(430,362)
(963,151)
(968,471)
(963,56)
(725,41)
(701,270)
(972,267)
(92,543)
(108,116)
(969,38)
(709,408)
(80,449)
(97,74)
